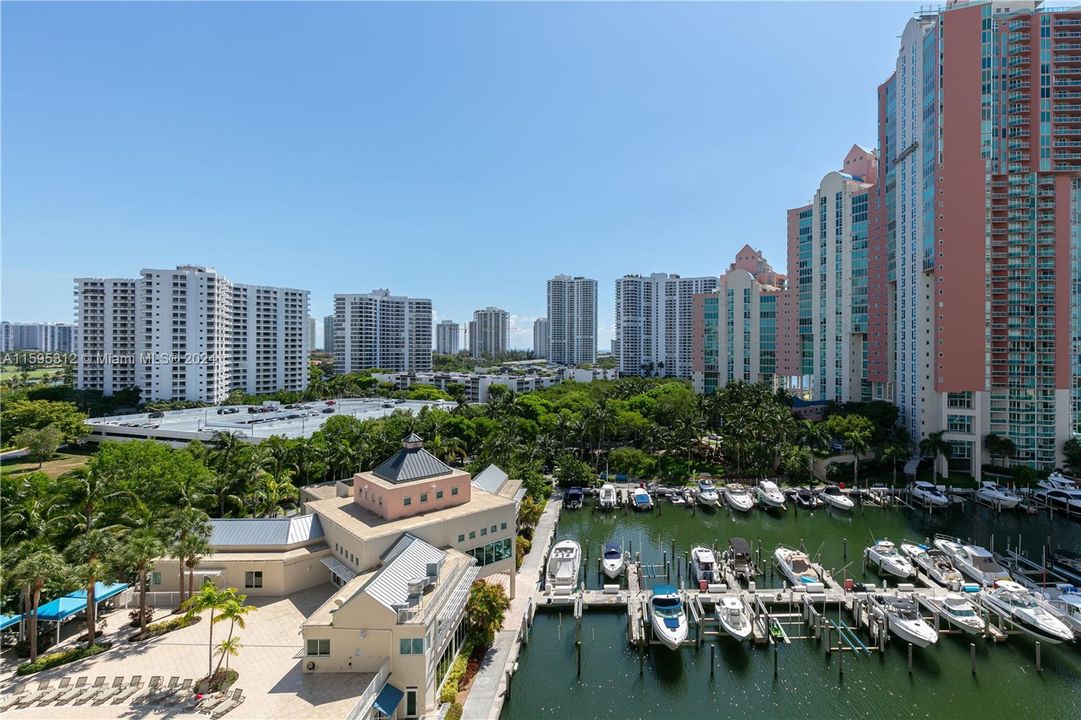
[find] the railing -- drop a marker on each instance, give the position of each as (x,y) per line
(367,698)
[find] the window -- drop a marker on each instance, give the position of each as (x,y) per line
(472,534)
(454,491)
(493,530)
(411,646)
(407,501)
(483,532)
(319,646)
(438,494)
(461,538)
(502,526)
(155,578)
(424,497)
(253,579)
(410,702)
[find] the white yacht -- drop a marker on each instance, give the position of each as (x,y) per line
(738,497)
(641,499)
(903,620)
(934,563)
(883,555)
(677,498)
(669,619)
(796,566)
(831,495)
(564,564)
(769,495)
(613,561)
(707,493)
(961,613)
(1066,604)
(1061,499)
(704,569)
(1057,481)
(927,494)
(733,617)
(607,498)
(972,560)
(804,498)
(1026,612)
(998,496)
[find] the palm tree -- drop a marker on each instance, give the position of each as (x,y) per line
(858,441)
(94,554)
(226,648)
(209,598)
(32,508)
(141,549)
(187,522)
(192,549)
(233,609)
(41,566)
(933,445)
(87,491)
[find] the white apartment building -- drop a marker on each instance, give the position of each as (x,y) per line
(540,338)
(380,330)
(311,334)
(328,334)
(189,334)
(572,320)
(477,385)
(489,332)
(654,323)
(47,337)
(447,337)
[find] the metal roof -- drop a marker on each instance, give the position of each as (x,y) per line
(412,462)
(265,532)
(390,586)
(336,566)
(490,479)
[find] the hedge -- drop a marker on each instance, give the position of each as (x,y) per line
(62,657)
(448,691)
(166,626)
(455,712)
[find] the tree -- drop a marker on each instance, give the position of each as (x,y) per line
(998,446)
(572,472)
(40,444)
(209,598)
(22,414)
(192,549)
(933,446)
(1071,449)
(897,449)
(33,572)
(232,609)
(226,648)
(141,549)
(485,609)
(95,555)
(33,508)
(188,522)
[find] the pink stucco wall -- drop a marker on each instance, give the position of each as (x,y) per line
(788,355)
(389,502)
(878,311)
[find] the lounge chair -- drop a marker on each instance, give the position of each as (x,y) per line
(161,692)
(180,693)
(32,697)
(132,688)
(65,683)
(13,697)
(91,692)
(210,702)
(229,704)
(110,692)
(140,698)
(71,691)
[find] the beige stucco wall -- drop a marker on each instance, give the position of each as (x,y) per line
(280,576)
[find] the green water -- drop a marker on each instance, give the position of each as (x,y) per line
(678,684)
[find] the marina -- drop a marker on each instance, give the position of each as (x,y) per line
(846,642)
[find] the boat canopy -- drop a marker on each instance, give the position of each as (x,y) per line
(739,546)
(704,555)
(574,492)
(613,550)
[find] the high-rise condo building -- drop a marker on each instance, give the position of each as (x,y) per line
(572,320)
(311,334)
(189,334)
(380,330)
(655,323)
(489,332)
(735,326)
(540,338)
(328,334)
(447,337)
(47,337)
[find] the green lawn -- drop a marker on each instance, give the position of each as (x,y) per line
(10,371)
(60,463)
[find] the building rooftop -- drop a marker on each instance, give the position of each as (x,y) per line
(411,463)
(490,479)
(265,532)
(410,559)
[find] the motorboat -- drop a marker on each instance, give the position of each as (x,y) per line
(998,496)
(564,564)
(833,496)
(677,498)
(934,563)
(739,558)
(927,494)
(1061,499)
(1065,602)
(804,498)
(883,555)
(962,614)
(972,560)
(572,499)
(613,560)
(738,497)
(796,566)
(903,620)
(1057,481)
(1067,563)
(641,499)
(704,568)
(733,617)
(707,493)
(669,619)
(607,499)
(1026,611)
(769,495)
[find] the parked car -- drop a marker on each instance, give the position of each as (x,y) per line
(328,411)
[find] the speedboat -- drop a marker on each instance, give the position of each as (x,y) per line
(832,496)
(1062,499)
(957,609)
(739,559)
(934,563)
(769,495)
(903,619)
(642,500)
(612,561)
(804,498)
(669,619)
(1066,604)
(972,560)
(927,494)
(738,497)
(677,498)
(1057,481)
(1026,612)
(796,566)
(572,500)
(607,498)
(563,564)
(707,493)
(704,568)
(883,554)
(998,496)
(733,617)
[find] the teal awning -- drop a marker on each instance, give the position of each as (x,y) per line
(61,609)
(7,621)
(102,591)
(388,699)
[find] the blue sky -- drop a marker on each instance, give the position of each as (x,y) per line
(462,152)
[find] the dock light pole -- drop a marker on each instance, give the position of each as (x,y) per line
(972,656)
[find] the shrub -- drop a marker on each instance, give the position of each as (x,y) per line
(52,660)
(134,616)
(448,692)
(455,712)
(166,626)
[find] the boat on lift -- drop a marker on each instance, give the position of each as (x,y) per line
(998,496)
(707,493)
(796,566)
(1067,563)
(572,500)
(1026,611)
(883,555)
(564,564)
(962,614)
(739,558)
(642,500)
(1065,602)
(769,495)
(734,618)
(738,497)
(833,496)
(668,616)
(903,620)
(972,560)
(928,494)
(613,561)
(704,569)
(607,498)
(804,498)
(1057,481)
(934,563)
